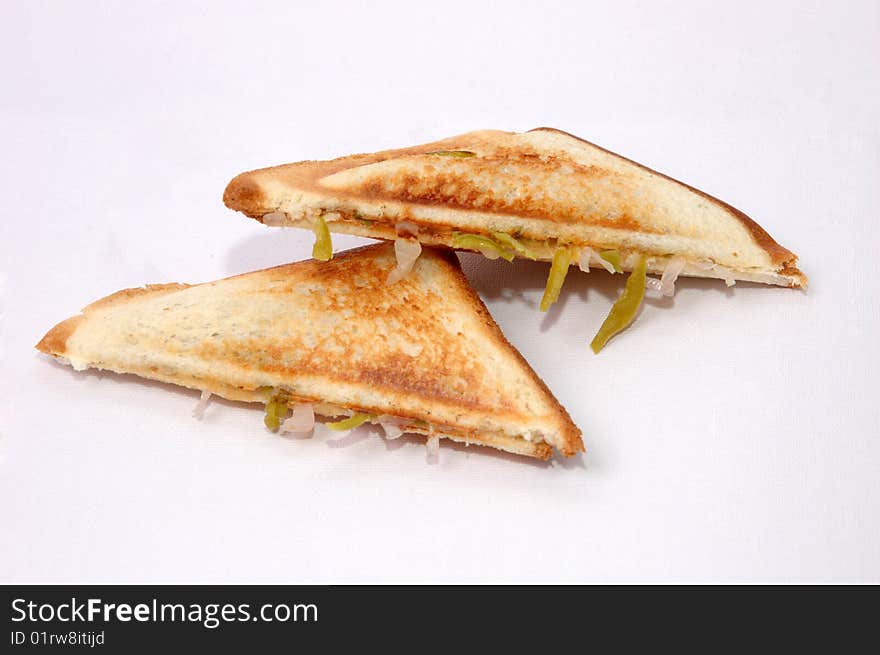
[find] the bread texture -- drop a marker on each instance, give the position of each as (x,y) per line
(544,187)
(334,334)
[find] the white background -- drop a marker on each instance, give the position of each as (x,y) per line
(732,434)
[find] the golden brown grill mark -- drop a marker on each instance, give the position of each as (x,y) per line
(452,378)
(466,185)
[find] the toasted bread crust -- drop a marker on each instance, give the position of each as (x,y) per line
(352,285)
(123,296)
(55,340)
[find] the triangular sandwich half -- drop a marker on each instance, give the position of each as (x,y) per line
(534,194)
(333,339)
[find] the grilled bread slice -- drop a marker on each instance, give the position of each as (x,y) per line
(424,350)
(545,188)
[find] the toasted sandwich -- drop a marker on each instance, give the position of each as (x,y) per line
(530,194)
(332,339)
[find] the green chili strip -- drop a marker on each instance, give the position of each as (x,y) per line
(454,153)
(510,242)
(613,258)
(625,309)
(558,271)
(349,423)
(323,249)
(276,410)
(482,244)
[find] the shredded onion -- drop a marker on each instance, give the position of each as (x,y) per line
(407,229)
(433,447)
(407,252)
(606,264)
(584,259)
(199,409)
(275,219)
(653,287)
(302,421)
(670,275)
(391,425)
(720,271)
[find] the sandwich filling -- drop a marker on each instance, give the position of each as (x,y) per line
(286,413)
(408,236)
